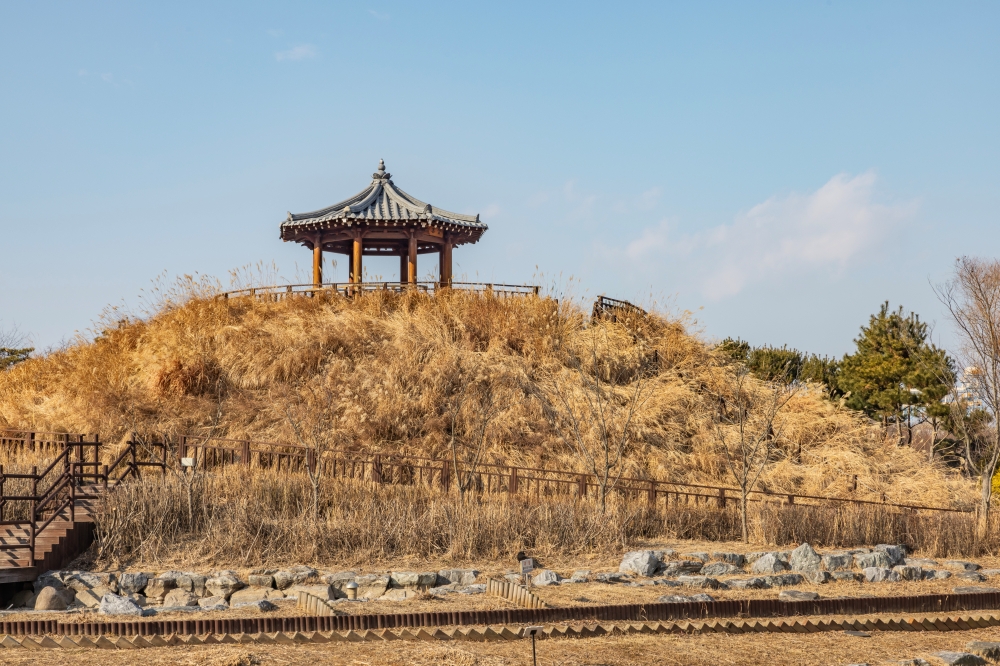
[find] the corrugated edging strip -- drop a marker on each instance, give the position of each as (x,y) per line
(743,608)
(504,633)
(514,593)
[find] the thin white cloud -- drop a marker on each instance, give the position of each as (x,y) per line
(300,52)
(381,16)
(820,231)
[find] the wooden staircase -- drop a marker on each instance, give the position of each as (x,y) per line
(61,504)
(68,535)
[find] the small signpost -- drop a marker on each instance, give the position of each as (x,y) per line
(532,631)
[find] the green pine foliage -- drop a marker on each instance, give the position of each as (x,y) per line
(896,370)
(784,364)
(10,357)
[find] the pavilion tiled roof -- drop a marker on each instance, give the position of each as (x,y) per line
(382,202)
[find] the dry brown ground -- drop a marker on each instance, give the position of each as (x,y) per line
(712,649)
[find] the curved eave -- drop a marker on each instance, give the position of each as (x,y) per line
(304,230)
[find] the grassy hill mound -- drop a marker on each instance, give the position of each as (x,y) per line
(393,372)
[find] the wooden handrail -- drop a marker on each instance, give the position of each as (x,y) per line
(286,290)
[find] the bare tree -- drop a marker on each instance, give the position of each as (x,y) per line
(597,419)
(471,409)
(312,415)
(972,297)
(747,428)
(13,347)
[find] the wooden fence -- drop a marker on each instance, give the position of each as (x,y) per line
(401,469)
(281,292)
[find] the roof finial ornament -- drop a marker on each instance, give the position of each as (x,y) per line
(381,166)
(381,174)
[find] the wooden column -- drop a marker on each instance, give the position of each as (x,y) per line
(350,265)
(411,267)
(404,262)
(357,270)
(318,262)
(444,271)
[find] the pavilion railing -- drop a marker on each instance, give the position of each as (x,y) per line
(280,292)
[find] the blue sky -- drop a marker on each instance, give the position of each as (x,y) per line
(779,169)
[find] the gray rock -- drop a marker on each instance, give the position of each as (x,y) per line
(769,564)
(413,579)
(666,582)
(805,559)
(896,554)
(704,557)
(213,602)
(250,594)
(610,577)
(580,576)
(193,583)
(842,576)
(838,561)
(297,575)
(784,580)
(701,598)
(971,576)
(157,588)
(876,560)
(112,604)
(880,575)
(922,562)
(546,577)
(753,557)
(180,597)
(736,559)
(907,572)
(818,577)
(962,565)
(223,585)
(640,562)
(911,662)
(720,569)
(673,599)
(263,606)
(260,580)
(941,574)
(755,583)
(702,581)
(50,599)
(23,599)
(461,576)
(986,649)
(664,554)
(959,658)
(681,567)
(86,580)
(477,588)
(974,590)
(797,595)
(400,594)
(372,586)
(324,592)
(132,583)
(990,572)
(139,599)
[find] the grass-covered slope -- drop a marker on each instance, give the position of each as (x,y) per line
(390,363)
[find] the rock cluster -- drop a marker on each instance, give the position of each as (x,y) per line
(145,593)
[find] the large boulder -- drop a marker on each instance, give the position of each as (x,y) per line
(193,583)
(180,597)
(846,576)
(880,575)
(214,602)
(704,557)
(412,579)
(261,605)
(961,565)
(86,580)
(797,595)
(88,599)
(769,564)
(641,562)
(755,583)
(971,576)
(460,576)
(23,599)
(818,577)
(112,604)
(372,586)
(50,599)
(248,595)
(324,592)
(156,589)
(957,658)
(132,583)
(907,572)
(720,569)
(875,560)
(681,567)
(296,575)
(260,580)
(782,580)
(837,561)
(735,559)
(896,554)
(805,559)
(223,584)
(546,577)
(702,581)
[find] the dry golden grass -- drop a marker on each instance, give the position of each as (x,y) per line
(391,360)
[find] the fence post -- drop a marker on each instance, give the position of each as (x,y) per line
(512,488)
(3,502)
(245,454)
(182,447)
(791,500)
(722,498)
(311,460)
(104,477)
(583,485)
(445,474)
(651,493)
(377,470)
(34,515)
